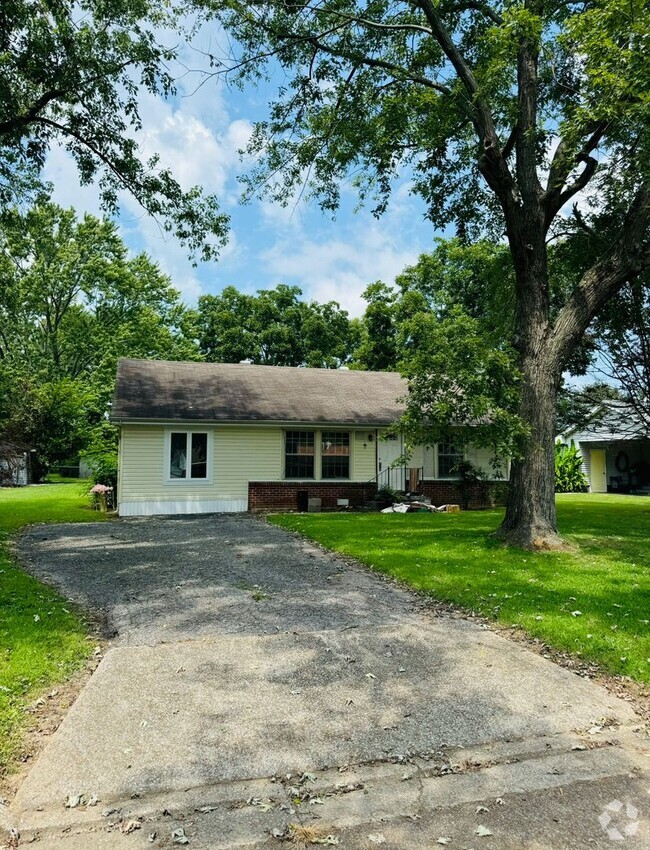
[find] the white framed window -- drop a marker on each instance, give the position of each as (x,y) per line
(448,457)
(188,456)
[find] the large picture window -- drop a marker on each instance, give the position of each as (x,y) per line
(188,456)
(335,454)
(299,454)
(448,457)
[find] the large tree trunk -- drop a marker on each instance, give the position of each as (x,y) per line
(530,515)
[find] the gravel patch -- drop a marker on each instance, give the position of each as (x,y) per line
(167,579)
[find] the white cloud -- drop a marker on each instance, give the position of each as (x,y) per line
(196,153)
(338,269)
(61,170)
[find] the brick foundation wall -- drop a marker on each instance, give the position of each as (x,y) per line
(448,493)
(283,495)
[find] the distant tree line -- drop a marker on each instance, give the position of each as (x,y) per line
(73,301)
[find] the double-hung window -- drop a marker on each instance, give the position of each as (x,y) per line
(188,456)
(335,454)
(319,455)
(299,454)
(448,457)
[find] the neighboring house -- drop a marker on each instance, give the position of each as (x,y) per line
(615,449)
(211,437)
(15,465)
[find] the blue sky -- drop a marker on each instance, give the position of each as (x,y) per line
(198,134)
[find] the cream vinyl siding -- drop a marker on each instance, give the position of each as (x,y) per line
(142,462)
(416,460)
(239,454)
(364,460)
(244,453)
(483,459)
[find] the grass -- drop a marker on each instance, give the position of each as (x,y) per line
(55,478)
(42,638)
(453,558)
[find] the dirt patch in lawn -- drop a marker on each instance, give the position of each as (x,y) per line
(45,715)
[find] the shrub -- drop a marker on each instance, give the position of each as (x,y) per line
(468,476)
(569,477)
(101,454)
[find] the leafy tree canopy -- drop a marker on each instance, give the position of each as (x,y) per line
(72,302)
(274,327)
(70,74)
(502,113)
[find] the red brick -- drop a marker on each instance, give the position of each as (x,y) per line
(274,495)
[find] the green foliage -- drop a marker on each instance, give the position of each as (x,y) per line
(377,349)
(72,302)
(43,638)
(274,327)
(453,558)
(72,75)
(382,89)
(446,325)
(49,419)
(460,385)
(499,116)
(477,278)
(569,477)
(100,453)
(578,407)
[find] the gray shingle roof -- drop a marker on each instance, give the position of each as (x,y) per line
(229,392)
(612,421)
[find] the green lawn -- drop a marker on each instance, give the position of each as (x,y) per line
(452,558)
(42,638)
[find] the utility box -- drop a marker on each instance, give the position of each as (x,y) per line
(314,505)
(303,500)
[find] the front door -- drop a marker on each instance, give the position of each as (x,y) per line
(388,450)
(598,474)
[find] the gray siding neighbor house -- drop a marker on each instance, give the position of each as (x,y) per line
(615,449)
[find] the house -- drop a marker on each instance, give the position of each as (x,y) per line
(212,437)
(615,449)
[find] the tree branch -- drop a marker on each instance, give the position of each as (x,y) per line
(361,59)
(380,26)
(563,163)
(46,98)
(491,163)
(476,6)
(510,142)
(582,224)
(627,258)
(27,117)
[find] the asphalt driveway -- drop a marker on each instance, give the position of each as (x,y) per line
(255,684)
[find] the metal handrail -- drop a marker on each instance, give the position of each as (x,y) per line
(393,476)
